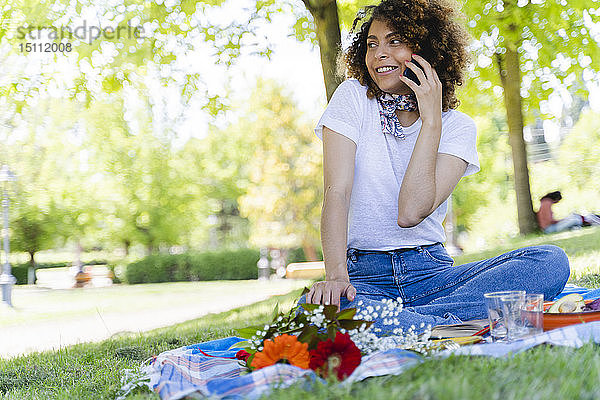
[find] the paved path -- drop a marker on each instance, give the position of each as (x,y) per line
(36,335)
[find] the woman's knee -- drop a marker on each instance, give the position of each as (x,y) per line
(554,265)
(556,261)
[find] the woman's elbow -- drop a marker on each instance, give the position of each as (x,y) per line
(409,221)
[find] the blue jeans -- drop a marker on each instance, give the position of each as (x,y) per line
(434,291)
(571,221)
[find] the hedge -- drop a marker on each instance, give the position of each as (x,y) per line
(20,271)
(208,266)
(297,255)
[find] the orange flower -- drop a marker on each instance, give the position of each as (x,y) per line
(284,349)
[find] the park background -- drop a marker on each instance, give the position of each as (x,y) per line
(197,135)
(180,154)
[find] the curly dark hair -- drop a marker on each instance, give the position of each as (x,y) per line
(429,27)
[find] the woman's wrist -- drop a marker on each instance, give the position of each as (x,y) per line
(434,123)
(337,274)
(337,279)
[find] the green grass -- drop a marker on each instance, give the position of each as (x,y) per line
(93,371)
(38,304)
(582,247)
(540,373)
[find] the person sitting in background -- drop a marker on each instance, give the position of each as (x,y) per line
(548,224)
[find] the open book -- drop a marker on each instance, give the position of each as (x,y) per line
(468,328)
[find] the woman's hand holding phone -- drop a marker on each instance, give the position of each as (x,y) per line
(425,83)
(410,74)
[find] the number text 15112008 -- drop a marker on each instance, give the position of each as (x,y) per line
(45,47)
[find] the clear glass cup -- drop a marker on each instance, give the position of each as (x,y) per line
(523,316)
(495,309)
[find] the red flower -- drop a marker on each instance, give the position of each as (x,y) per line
(340,356)
(242,355)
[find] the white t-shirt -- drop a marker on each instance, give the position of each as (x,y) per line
(380,164)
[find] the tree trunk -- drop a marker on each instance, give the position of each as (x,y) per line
(309,251)
(327,24)
(77,263)
(508,66)
(31,269)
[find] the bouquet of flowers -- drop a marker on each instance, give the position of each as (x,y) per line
(321,338)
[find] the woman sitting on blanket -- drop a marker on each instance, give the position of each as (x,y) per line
(393,151)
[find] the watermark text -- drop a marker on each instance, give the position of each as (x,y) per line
(82,32)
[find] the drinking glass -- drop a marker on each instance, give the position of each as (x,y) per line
(523,316)
(495,308)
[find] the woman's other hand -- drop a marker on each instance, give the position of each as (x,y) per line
(330,292)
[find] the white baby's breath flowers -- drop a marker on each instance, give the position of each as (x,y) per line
(318,320)
(367,340)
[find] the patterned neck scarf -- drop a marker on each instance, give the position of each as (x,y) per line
(388,104)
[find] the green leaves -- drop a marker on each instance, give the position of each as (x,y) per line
(540,31)
(308,334)
(346,314)
(350,324)
(310,307)
(331,331)
(241,345)
(284,168)
(248,332)
(330,312)
(313,323)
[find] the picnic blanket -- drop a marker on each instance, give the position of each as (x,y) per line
(587,294)
(177,373)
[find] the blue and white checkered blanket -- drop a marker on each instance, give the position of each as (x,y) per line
(178,373)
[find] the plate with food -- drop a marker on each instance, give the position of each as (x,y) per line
(570,310)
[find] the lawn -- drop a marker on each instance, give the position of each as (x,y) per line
(39,304)
(93,371)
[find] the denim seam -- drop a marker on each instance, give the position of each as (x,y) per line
(400,262)
(427,253)
(465,278)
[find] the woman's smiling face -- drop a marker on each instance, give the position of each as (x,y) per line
(385,58)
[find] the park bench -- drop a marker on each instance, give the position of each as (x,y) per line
(305,270)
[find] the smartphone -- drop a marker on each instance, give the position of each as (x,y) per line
(410,74)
